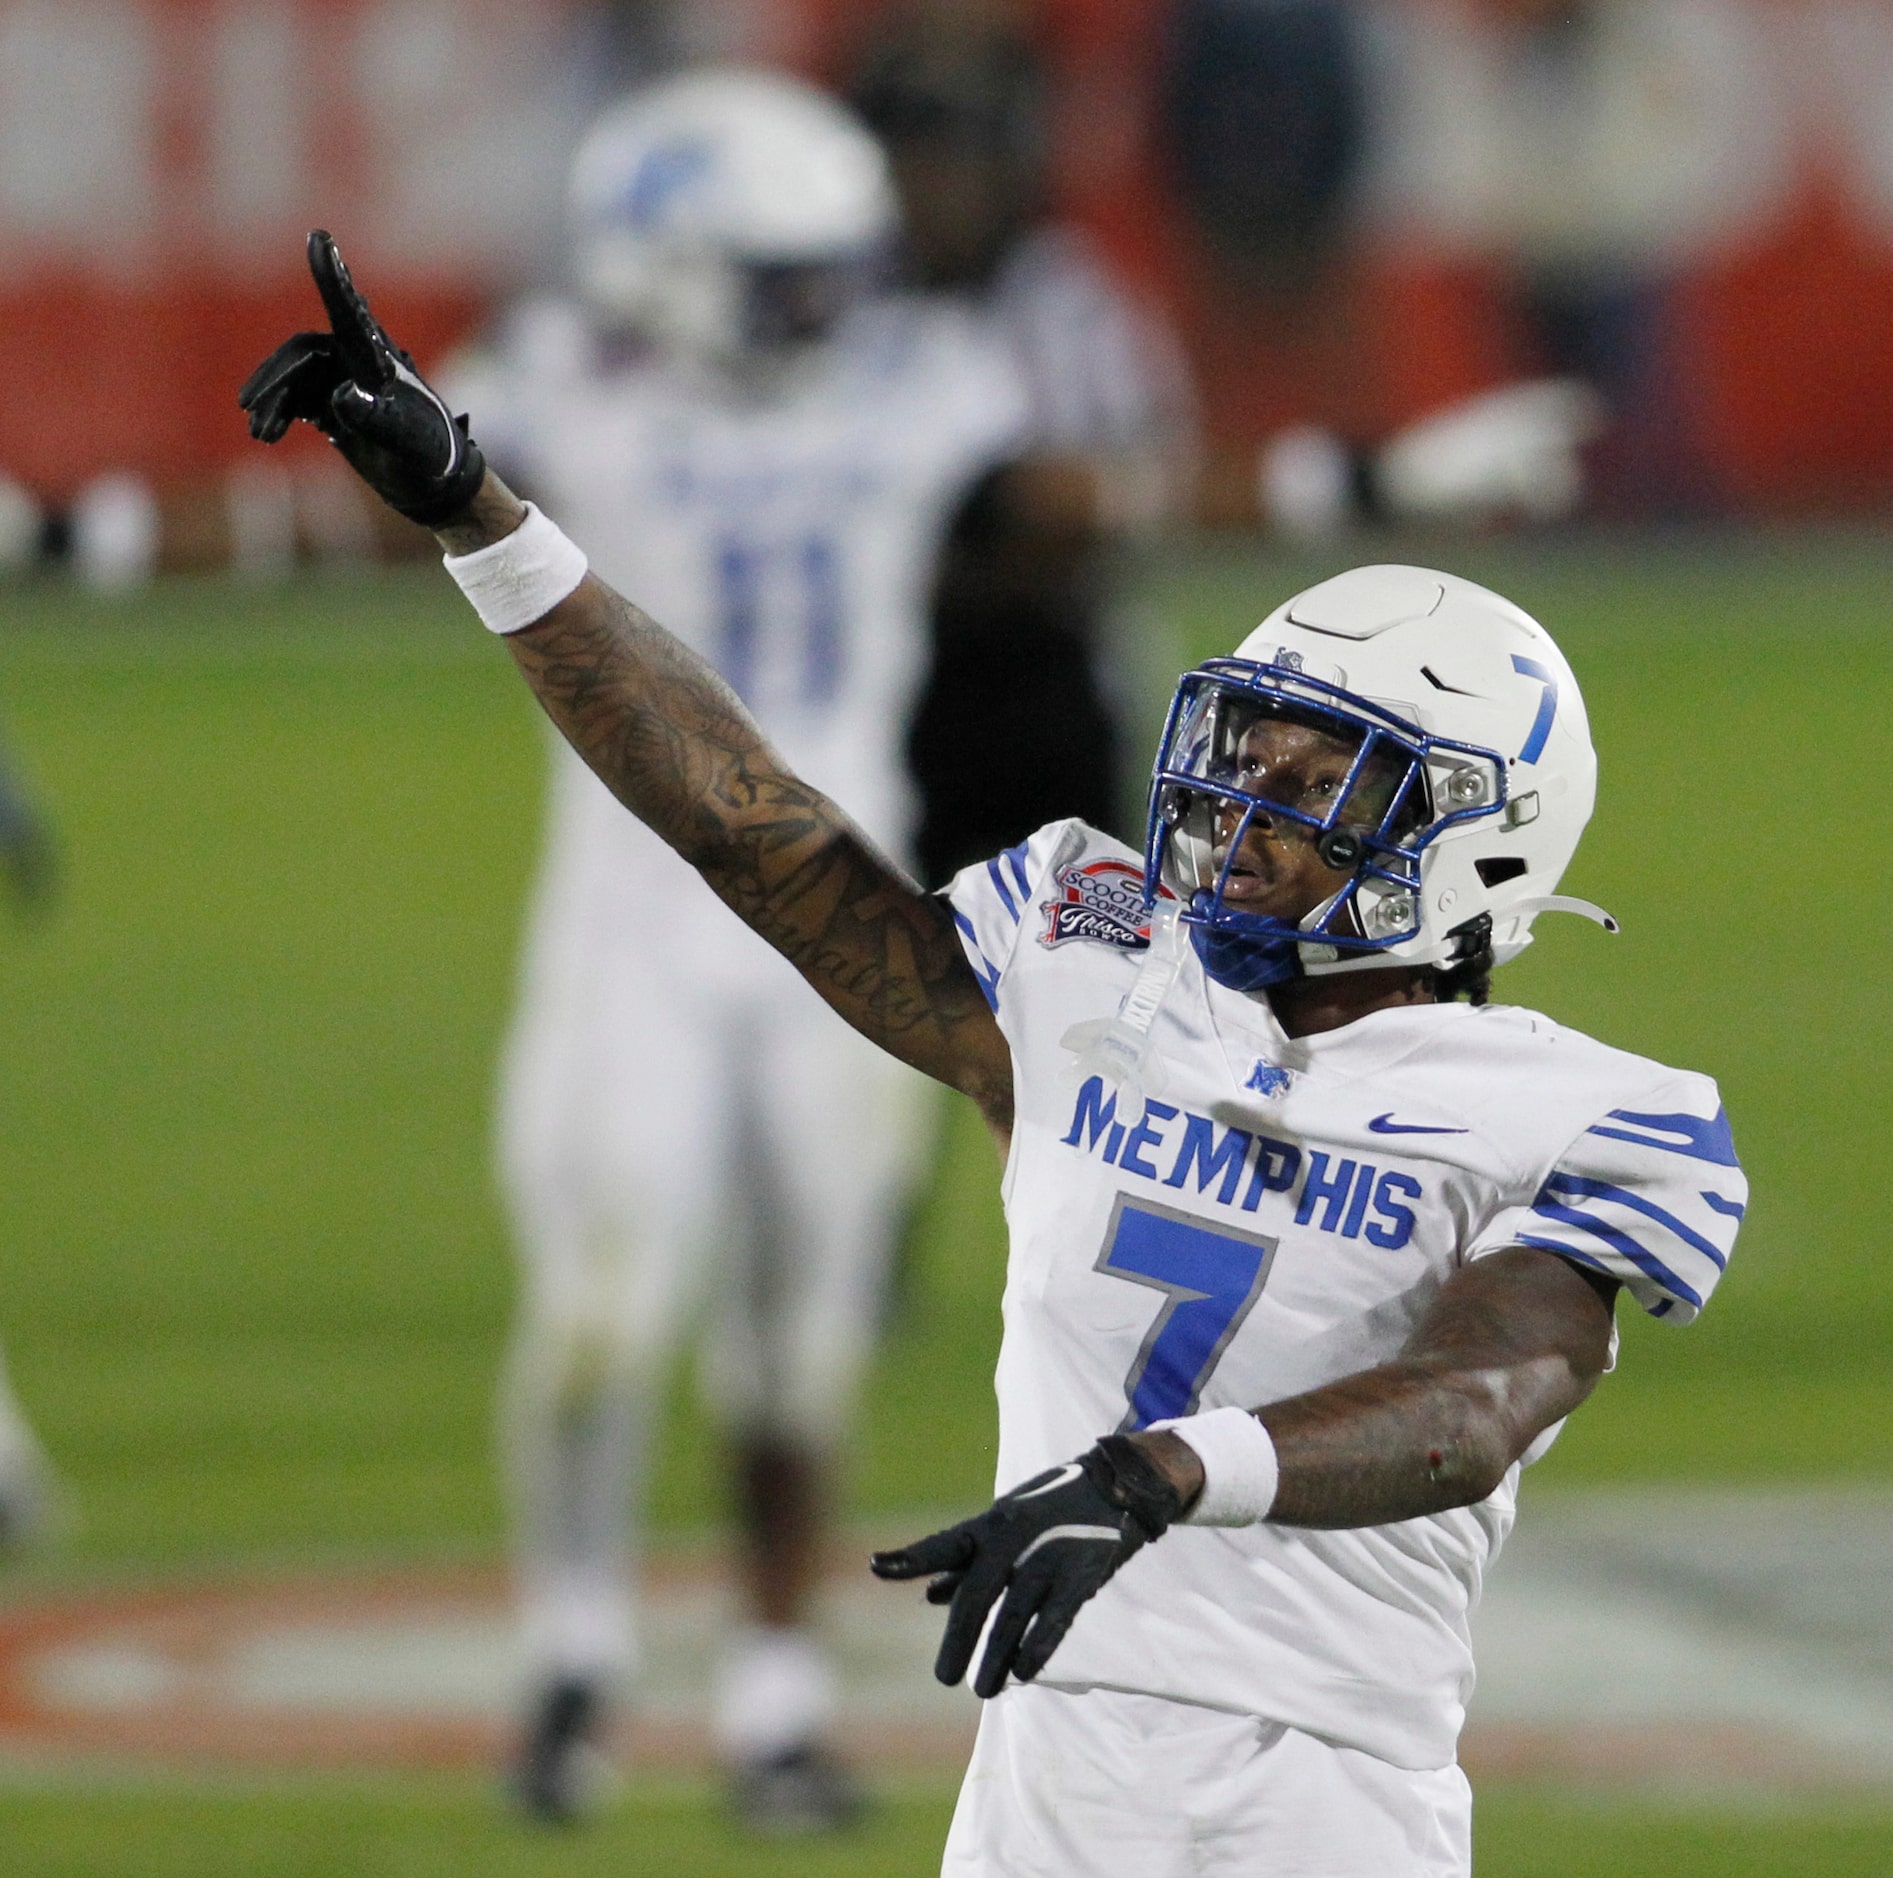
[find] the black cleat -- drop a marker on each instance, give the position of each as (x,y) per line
(559,1775)
(801,1790)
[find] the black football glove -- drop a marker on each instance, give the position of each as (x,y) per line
(354,384)
(1048,1545)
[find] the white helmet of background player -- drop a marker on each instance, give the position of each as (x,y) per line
(728,216)
(1469,778)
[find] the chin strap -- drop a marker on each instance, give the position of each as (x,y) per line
(1566,903)
(1119,1048)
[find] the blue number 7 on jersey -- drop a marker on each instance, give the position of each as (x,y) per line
(1211,1277)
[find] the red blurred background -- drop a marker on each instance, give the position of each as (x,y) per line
(160,161)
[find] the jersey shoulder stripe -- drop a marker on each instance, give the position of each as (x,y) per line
(991,899)
(983,968)
(1012,892)
(1711,1140)
(1570,1186)
(1633,1194)
(1603,1231)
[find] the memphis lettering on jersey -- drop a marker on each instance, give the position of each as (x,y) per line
(1352,1198)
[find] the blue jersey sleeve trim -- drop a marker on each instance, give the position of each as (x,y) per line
(1709,1139)
(1003,891)
(1733,1209)
(983,968)
(1619,1242)
(1015,859)
(1578,1187)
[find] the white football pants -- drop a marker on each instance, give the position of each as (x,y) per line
(1099,1784)
(682,1121)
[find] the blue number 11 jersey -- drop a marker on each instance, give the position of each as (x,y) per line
(788,533)
(789,537)
(1278,1214)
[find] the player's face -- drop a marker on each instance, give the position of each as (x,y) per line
(788,305)
(1278,870)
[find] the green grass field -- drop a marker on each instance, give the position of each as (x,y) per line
(429,1828)
(253,1283)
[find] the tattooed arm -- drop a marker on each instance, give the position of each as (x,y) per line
(1513,1343)
(675,745)
(666,735)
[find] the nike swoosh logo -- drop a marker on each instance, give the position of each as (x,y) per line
(1107,1535)
(1386,1125)
(1063,1477)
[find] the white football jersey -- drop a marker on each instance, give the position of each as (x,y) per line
(1279,1216)
(791,540)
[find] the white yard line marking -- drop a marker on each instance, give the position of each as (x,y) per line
(1623,1637)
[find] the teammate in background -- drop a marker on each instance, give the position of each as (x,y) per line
(1235,1072)
(735,423)
(29,856)
(31,1502)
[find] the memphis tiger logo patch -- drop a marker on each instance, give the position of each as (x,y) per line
(1102,901)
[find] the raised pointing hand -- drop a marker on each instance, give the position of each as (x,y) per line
(362,391)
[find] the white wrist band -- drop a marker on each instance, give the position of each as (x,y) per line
(519,580)
(1240,1471)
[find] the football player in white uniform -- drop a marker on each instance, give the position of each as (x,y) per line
(735,423)
(33,1502)
(1258,1154)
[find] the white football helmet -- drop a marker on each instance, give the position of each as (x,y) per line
(728,215)
(1469,780)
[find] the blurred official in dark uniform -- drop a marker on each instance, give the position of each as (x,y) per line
(1017,722)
